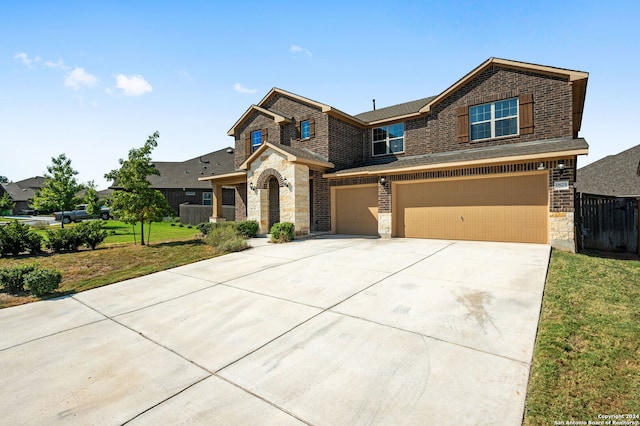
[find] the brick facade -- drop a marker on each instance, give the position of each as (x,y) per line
(346,143)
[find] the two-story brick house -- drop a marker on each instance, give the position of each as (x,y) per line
(491,158)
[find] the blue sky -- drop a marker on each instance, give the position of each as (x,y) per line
(93,79)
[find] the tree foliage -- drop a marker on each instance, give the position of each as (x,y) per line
(60,187)
(94,203)
(4,179)
(134,199)
(6,203)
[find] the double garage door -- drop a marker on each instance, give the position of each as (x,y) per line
(511,208)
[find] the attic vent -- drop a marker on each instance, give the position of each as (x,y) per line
(374,104)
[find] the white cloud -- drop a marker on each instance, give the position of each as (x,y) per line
(79,78)
(241,89)
(24,58)
(134,85)
(295,49)
(60,65)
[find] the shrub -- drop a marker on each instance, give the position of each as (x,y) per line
(34,243)
(63,239)
(226,239)
(16,237)
(42,281)
(206,227)
(248,228)
(282,232)
(91,233)
(12,279)
(40,225)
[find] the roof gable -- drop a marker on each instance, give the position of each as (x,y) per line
(293,155)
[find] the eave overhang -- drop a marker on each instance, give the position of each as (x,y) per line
(226,179)
(277,118)
(317,164)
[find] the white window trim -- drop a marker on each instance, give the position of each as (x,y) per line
(388,141)
(493,120)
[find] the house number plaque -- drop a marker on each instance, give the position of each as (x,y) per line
(561,185)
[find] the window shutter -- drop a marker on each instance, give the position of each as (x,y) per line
(312,128)
(298,129)
(265,135)
(526,114)
(463,124)
(247,144)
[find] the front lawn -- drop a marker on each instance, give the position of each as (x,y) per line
(586,359)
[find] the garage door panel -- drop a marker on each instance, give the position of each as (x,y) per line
(508,208)
(357,210)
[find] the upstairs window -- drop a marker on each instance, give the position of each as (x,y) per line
(388,139)
(494,120)
(256,140)
(305,129)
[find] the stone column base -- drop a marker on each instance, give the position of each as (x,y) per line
(217,219)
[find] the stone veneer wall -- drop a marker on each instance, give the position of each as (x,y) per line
(294,196)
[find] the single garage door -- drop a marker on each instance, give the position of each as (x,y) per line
(356,210)
(510,208)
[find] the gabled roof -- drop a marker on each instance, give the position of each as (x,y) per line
(294,155)
(279,118)
(614,175)
(186,174)
(19,193)
(536,150)
(34,182)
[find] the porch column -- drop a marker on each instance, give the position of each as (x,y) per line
(216,195)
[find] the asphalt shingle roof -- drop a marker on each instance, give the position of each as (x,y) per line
(615,175)
(185,174)
(485,153)
(398,110)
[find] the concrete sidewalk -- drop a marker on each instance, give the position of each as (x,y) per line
(325,331)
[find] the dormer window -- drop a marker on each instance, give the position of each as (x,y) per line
(388,139)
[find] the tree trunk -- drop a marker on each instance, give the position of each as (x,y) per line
(142,233)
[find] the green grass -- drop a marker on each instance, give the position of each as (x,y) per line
(587,355)
(87,269)
(122,233)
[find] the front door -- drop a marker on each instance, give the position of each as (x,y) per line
(274,201)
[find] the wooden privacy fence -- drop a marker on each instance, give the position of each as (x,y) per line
(193,214)
(607,223)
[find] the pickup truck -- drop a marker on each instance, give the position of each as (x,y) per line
(80,213)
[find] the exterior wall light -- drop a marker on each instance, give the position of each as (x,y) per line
(382,180)
(253,188)
(540,166)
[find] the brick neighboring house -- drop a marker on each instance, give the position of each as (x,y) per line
(490,158)
(179,183)
(22,193)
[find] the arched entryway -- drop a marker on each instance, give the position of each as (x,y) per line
(273,186)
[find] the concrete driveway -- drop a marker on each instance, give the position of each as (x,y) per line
(325,331)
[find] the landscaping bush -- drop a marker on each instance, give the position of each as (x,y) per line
(226,239)
(91,233)
(282,232)
(248,228)
(63,239)
(12,279)
(42,281)
(206,227)
(16,237)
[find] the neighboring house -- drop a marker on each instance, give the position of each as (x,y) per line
(608,198)
(614,175)
(179,183)
(22,193)
(490,158)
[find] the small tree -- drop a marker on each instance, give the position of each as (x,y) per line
(4,179)
(6,203)
(94,203)
(134,199)
(60,186)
